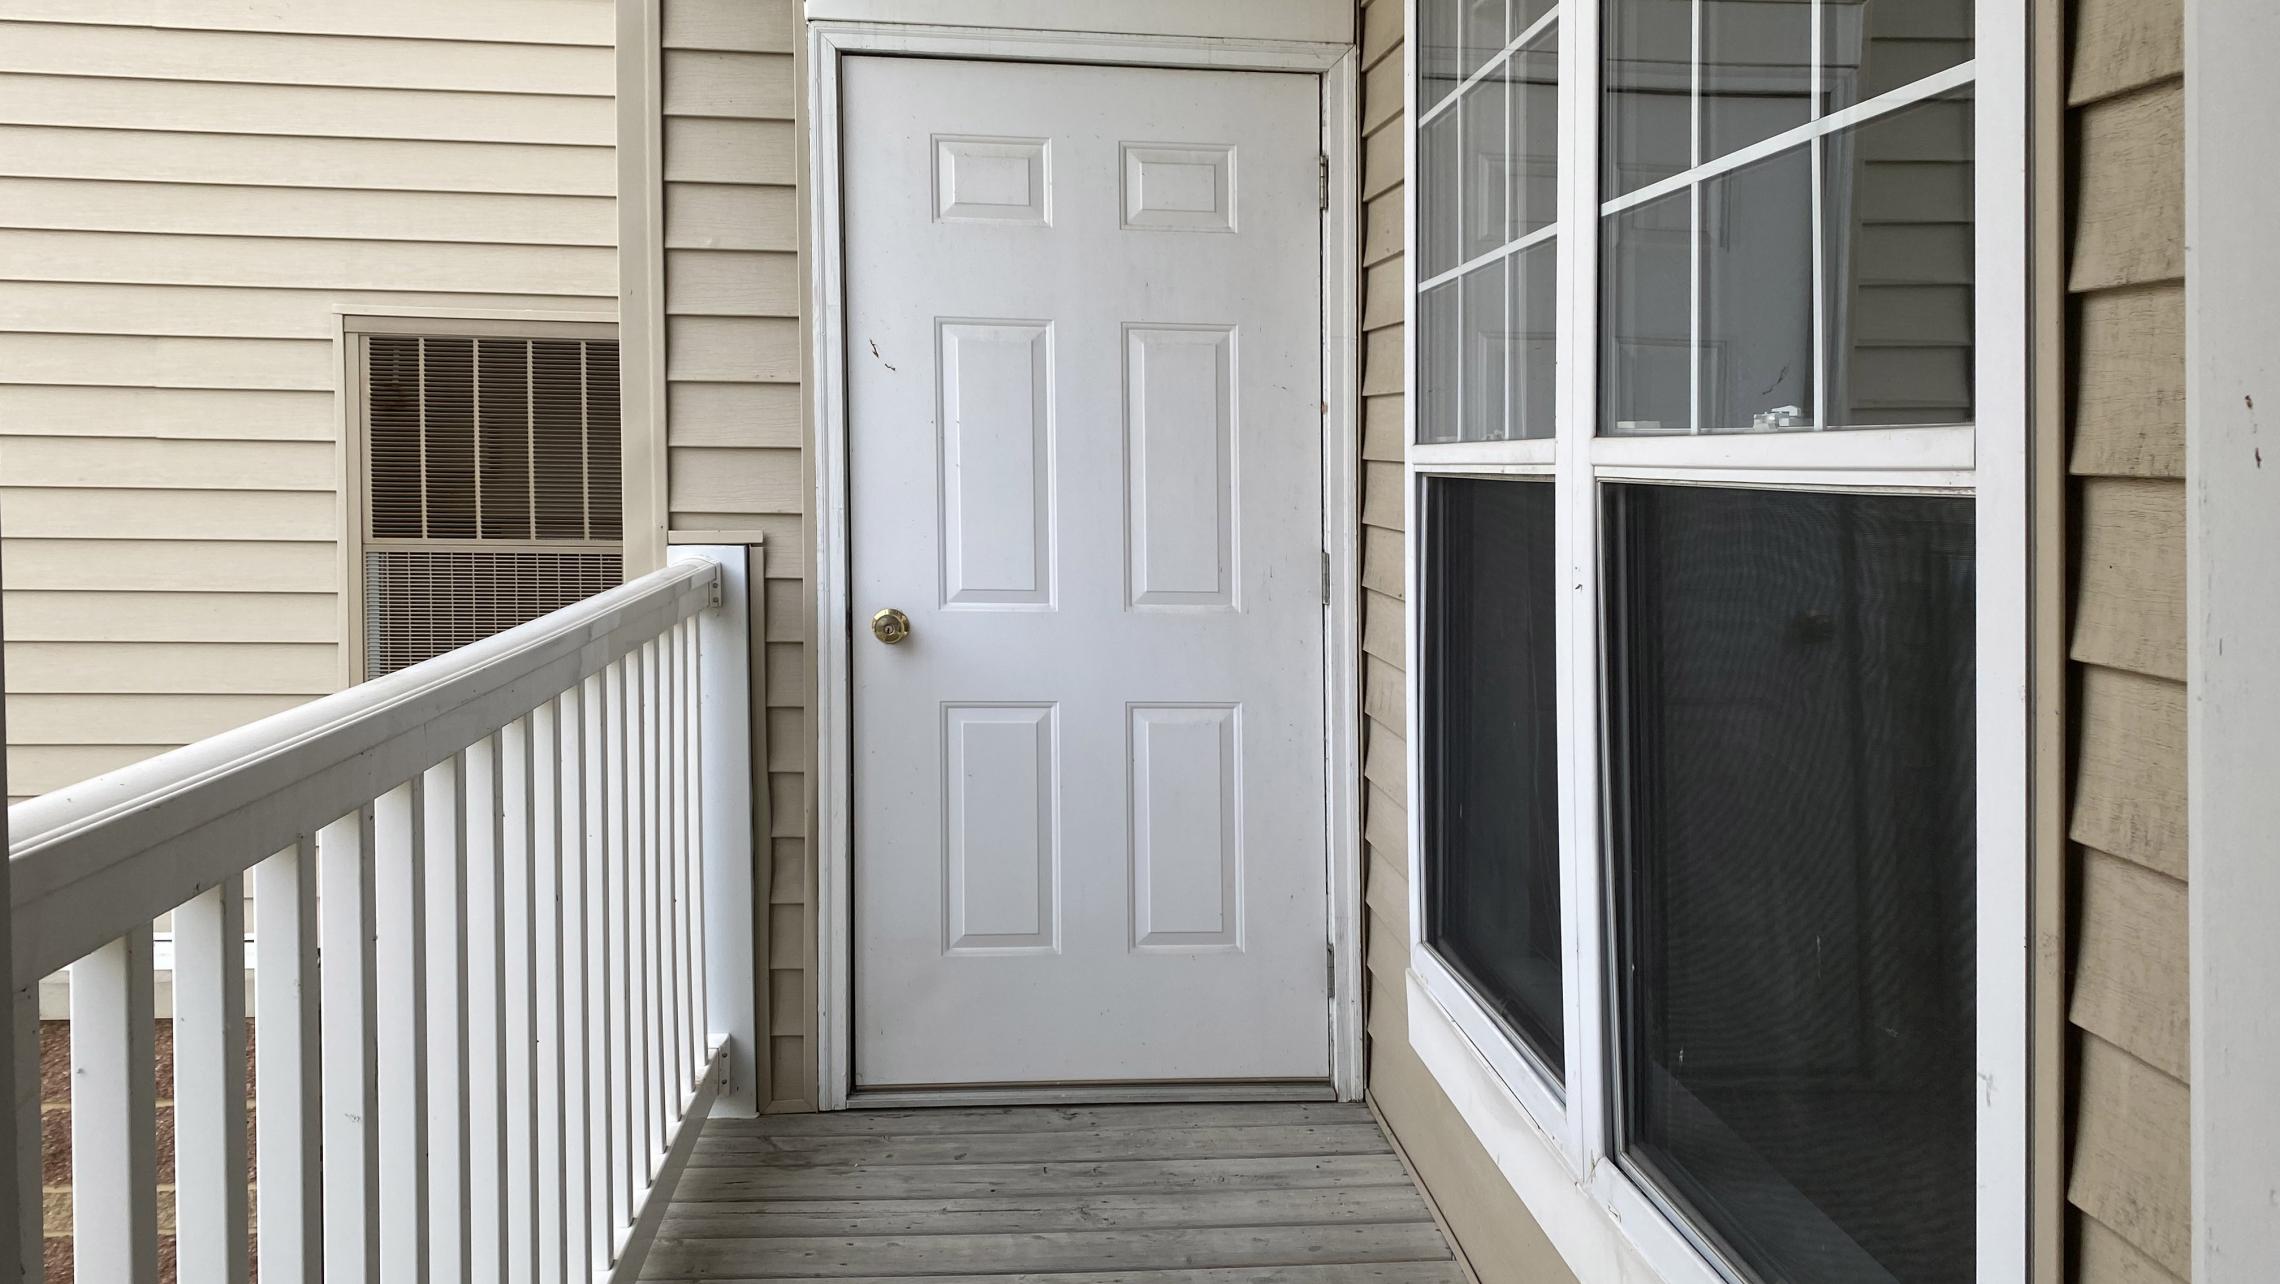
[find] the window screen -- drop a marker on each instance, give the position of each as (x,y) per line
(491,470)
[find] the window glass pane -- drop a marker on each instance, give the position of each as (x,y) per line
(1483,33)
(1645,376)
(1534,76)
(1869,47)
(1440,195)
(1757,71)
(1791,763)
(1648,66)
(1488,176)
(1757,296)
(1492,809)
(1487,341)
(1439,50)
(1530,371)
(1899,265)
(1438,350)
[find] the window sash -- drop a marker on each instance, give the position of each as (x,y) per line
(1987,460)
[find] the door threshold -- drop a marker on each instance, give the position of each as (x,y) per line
(1092,1094)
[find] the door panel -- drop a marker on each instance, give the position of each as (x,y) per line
(1083,326)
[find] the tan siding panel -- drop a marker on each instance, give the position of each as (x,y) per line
(234,312)
(1382,555)
(1381,162)
(159,721)
(731,283)
(51,513)
(2130,961)
(553,22)
(728,151)
(70,616)
(1382,429)
(2129,383)
(165,668)
(1382,287)
(1382,92)
(328,214)
(37,769)
(156,362)
(2131,1139)
(1382,226)
(59,49)
(168,564)
(1383,694)
(207,107)
(1385,763)
(2120,45)
(129,463)
(2129,788)
(2130,612)
(740,480)
(753,26)
(732,349)
(730,216)
(745,86)
(1383,633)
(718,414)
(2102,1257)
(1381,362)
(233,413)
(37,151)
(2129,218)
(309,264)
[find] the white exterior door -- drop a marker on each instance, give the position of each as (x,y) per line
(1085,459)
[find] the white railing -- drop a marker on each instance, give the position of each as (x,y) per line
(483,935)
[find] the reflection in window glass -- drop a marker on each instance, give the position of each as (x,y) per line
(1483,33)
(1757,60)
(1438,364)
(1490,750)
(1646,325)
(1488,167)
(1487,338)
(1791,726)
(1648,68)
(1870,47)
(1757,296)
(1439,51)
(1439,196)
(1530,370)
(1899,265)
(1534,77)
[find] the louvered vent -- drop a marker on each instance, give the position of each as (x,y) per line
(492,487)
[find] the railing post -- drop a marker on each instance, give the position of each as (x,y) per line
(727,668)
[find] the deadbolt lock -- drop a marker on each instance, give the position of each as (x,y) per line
(890,626)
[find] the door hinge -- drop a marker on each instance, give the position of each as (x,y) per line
(1322,176)
(1325,577)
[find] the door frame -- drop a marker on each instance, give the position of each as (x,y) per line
(1336,65)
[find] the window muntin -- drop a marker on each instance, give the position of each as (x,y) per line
(1790,791)
(1490,751)
(1488,200)
(1713,100)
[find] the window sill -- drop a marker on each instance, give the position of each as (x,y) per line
(1604,1227)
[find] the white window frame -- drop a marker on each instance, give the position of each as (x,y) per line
(1555,1144)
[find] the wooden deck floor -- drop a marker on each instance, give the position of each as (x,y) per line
(1226,1194)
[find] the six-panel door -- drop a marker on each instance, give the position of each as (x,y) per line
(1085,424)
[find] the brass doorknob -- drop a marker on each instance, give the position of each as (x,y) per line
(890,626)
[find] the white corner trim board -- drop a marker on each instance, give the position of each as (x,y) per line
(1326,21)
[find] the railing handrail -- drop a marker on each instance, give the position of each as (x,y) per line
(89,861)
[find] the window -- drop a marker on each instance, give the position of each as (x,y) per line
(1717,486)
(487,481)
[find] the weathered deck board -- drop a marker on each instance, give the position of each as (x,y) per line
(1218,1194)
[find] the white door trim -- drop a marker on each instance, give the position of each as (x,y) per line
(1336,64)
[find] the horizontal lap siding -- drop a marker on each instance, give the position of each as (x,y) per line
(1492,1228)
(734,427)
(2129,1181)
(189,191)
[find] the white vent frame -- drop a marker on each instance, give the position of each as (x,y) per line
(352,326)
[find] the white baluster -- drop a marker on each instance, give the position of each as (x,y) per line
(616,863)
(653,1036)
(444,795)
(400,906)
(114,1114)
(577,1032)
(546,986)
(287,1112)
(348,1046)
(515,906)
(601,1081)
(486,1080)
(210,1180)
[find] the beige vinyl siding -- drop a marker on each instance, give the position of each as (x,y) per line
(2128,1183)
(1492,1227)
(734,424)
(189,191)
